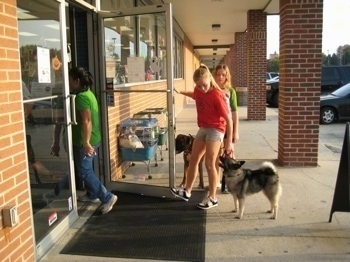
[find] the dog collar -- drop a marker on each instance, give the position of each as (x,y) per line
(232,175)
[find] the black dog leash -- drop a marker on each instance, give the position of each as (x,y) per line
(223,182)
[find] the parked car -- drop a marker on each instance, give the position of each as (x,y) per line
(272,75)
(332,78)
(272,92)
(42,113)
(335,106)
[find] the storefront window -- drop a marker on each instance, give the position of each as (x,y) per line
(116,4)
(135,48)
(178,57)
(132,40)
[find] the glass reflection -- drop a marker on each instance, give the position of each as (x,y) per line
(42,86)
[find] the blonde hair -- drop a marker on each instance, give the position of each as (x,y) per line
(203,72)
(224,67)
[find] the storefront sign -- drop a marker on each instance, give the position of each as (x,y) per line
(110,67)
(44,72)
(136,69)
(52,218)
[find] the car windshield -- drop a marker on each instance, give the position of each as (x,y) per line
(342,91)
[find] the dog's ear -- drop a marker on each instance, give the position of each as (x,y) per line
(220,164)
(241,163)
(223,162)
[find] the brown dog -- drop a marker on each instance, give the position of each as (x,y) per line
(183,143)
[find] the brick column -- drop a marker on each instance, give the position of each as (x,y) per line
(231,64)
(16,243)
(239,72)
(256,65)
(227,59)
(300,78)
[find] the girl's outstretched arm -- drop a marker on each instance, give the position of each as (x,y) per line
(188,93)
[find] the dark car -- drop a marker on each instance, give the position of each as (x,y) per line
(336,105)
(332,78)
(272,75)
(272,92)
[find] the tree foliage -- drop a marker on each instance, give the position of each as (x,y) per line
(341,57)
(273,65)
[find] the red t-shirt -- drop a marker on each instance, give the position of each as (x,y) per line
(211,109)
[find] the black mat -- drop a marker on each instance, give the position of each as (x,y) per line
(142,227)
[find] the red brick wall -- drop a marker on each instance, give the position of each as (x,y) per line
(16,243)
(226,60)
(231,62)
(256,65)
(240,62)
(300,78)
(239,65)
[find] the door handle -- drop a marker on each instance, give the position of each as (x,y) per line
(72,111)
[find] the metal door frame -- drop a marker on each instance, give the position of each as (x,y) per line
(52,237)
(129,187)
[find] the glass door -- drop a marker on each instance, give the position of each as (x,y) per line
(43,54)
(137,44)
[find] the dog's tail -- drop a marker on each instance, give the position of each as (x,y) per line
(269,168)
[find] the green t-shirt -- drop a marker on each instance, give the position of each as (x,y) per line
(83,101)
(233,99)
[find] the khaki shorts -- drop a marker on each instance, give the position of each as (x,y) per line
(209,134)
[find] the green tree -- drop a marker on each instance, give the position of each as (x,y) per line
(346,58)
(346,55)
(273,65)
(325,59)
(334,60)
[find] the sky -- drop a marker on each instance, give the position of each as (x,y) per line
(336,29)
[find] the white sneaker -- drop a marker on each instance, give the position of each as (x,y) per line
(208,203)
(181,193)
(85,198)
(109,205)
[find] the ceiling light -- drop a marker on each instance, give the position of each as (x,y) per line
(215,27)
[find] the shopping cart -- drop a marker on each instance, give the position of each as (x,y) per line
(142,135)
(161,115)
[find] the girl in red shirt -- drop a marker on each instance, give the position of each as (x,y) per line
(213,119)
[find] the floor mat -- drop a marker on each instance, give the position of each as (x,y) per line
(144,227)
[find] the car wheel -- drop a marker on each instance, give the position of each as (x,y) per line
(328,115)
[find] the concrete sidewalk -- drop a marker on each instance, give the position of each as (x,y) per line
(301,232)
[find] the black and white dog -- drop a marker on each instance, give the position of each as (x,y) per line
(244,182)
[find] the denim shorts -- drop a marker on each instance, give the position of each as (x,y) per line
(209,134)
